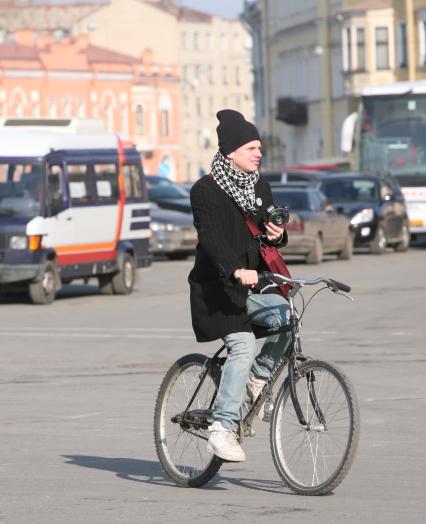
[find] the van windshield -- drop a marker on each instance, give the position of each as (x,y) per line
(20,188)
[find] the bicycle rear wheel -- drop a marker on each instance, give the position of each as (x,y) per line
(315,458)
(180,440)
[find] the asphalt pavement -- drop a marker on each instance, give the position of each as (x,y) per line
(78,381)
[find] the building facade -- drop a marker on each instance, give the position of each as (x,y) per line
(312,59)
(41,77)
(212,54)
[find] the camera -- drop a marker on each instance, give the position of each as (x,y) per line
(277,215)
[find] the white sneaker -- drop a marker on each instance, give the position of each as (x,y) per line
(254,388)
(223,443)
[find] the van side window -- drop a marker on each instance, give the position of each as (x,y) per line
(132,181)
(80,186)
(55,189)
(106,177)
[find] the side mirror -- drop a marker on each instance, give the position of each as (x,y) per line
(328,207)
(348,133)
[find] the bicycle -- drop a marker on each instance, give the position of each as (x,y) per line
(315,421)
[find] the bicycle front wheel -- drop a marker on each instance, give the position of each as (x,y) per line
(314,458)
(180,435)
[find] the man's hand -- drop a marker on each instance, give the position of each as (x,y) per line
(247,277)
(273,232)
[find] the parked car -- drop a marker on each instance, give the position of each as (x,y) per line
(375,206)
(167,194)
(173,233)
(315,228)
(292,175)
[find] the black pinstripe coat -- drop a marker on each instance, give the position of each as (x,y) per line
(224,245)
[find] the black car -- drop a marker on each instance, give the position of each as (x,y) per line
(167,194)
(375,206)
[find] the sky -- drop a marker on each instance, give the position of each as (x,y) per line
(226,8)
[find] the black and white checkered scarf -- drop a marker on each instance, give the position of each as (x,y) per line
(237,184)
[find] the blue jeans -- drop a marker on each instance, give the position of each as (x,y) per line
(269,310)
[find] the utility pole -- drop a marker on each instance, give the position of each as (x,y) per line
(267,82)
(411,52)
(325,68)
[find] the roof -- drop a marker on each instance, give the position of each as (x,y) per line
(396,88)
(41,136)
(43,17)
(39,143)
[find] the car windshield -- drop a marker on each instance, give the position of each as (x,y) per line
(159,188)
(20,188)
(295,200)
(351,190)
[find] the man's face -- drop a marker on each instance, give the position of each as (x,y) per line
(247,157)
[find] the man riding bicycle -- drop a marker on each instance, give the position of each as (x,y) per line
(224,298)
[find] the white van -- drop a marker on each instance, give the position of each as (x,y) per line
(73,205)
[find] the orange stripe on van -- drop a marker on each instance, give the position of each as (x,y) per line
(84,248)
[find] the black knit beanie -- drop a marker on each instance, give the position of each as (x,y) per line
(234,131)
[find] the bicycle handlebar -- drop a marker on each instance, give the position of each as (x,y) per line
(334,285)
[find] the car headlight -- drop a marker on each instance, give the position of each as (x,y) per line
(18,242)
(157,226)
(366,215)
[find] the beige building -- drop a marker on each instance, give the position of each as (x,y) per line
(213,57)
(317,57)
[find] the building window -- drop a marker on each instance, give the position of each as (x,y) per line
(164,123)
(139,120)
(402,45)
(210,73)
(199,107)
(382,48)
(360,48)
(208,41)
(349,47)
(224,74)
(237,75)
(195,40)
(184,41)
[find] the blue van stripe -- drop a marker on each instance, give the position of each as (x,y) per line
(139,225)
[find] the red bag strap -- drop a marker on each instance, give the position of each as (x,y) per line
(254,230)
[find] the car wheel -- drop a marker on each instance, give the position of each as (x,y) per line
(404,244)
(348,248)
(378,245)
(315,255)
(43,290)
(124,280)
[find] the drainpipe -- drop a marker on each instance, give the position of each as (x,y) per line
(326,87)
(267,80)
(411,52)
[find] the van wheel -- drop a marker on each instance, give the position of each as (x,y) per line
(348,248)
(315,255)
(105,285)
(378,245)
(43,290)
(404,244)
(124,280)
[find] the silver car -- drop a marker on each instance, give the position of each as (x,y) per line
(315,228)
(173,233)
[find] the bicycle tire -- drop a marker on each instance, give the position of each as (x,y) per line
(314,460)
(174,445)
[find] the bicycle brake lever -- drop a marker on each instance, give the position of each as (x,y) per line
(267,287)
(345,295)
